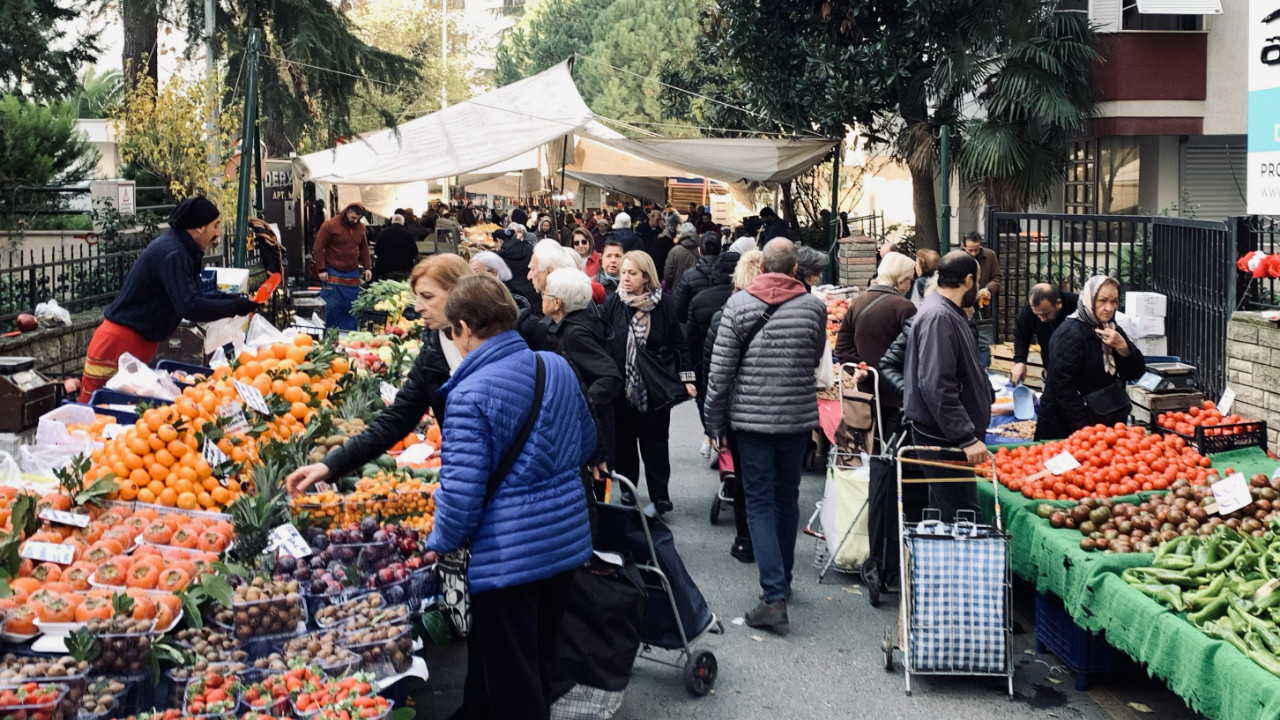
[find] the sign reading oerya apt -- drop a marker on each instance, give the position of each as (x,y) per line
(1264,107)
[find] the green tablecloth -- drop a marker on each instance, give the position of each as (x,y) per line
(1213,677)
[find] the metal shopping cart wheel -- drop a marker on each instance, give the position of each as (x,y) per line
(715,510)
(871,576)
(700,673)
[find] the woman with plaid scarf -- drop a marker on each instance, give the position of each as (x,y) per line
(643,320)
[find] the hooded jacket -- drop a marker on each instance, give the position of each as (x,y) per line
(535,526)
(580,338)
(703,308)
(769,388)
(516,254)
(681,258)
(695,280)
(341,246)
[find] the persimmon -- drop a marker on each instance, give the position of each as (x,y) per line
(142,575)
(212,541)
(47,572)
(27,585)
(173,579)
(185,538)
(55,610)
(94,607)
(77,576)
(22,621)
(157,533)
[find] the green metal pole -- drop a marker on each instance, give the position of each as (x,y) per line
(833,223)
(944,227)
(248,143)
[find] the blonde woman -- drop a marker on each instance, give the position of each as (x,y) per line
(644,323)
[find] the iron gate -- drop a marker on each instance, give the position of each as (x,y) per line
(1194,267)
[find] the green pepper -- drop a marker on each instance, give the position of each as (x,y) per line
(1161,576)
(1229,560)
(1208,594)
(1170,595)
(1239,611)
(1271,638)
(1210,611)
(1200,562)
(1266,660)
(1223,633)
(1173,547)
(1174,562)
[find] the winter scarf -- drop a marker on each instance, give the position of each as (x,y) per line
(642,304)
(1084,313)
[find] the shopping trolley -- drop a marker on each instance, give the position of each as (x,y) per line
(955,615)
(847,491)
(676,613)
(728,476)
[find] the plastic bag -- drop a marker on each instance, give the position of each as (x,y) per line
(225,331)
(42,460)
(825,377)
(10,473)
(262,333)
(51,314)
(52,429)
(135,378)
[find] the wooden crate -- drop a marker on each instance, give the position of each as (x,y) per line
(1147,405)
(1002,361)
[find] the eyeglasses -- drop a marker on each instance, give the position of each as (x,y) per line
(579,242)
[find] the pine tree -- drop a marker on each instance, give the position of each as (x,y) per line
(36,55)
(40,145)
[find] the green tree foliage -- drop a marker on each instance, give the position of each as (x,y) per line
(642,37)
(1036,97)
(37,56)
(40,145)
(101,94)
(410,28)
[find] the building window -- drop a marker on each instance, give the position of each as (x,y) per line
(1118,171)
(1131,19)
(1079,190)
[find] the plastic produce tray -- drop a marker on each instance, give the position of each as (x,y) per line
(1085,653)
(1222,438)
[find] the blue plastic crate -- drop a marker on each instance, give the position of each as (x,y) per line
(115,397)
(189,368)
(1085,653)
(208,281)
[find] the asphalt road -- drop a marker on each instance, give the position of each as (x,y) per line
(828,662)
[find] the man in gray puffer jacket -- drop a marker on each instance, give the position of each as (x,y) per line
(769,343)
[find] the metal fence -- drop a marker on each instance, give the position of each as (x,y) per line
(1194,267)
(79,277)
(1064,251)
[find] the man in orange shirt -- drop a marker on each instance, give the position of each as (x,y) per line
(341,251)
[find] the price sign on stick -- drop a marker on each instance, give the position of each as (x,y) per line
(48,552)
(1226,401)
(287,538)
(233,410)
(1063,462)
(213,454)
(65,518)
(252,397)
(1231,494)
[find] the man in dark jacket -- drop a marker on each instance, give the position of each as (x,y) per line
(623,233)
(770,342)
(773,227)
(680,258)
(341,252)
(989,281)
(700,276)
(396,251)
(1047,307)
(948,398)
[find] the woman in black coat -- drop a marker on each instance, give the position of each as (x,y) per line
(643,319)
(516,251)
(1087,353)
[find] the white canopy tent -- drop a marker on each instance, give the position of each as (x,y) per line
(510,129)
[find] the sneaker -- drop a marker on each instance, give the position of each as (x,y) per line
(663,506)
(742,550)
(765,614)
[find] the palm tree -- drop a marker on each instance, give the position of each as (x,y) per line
(1036,91)
(100,94)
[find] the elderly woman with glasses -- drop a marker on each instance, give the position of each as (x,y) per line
(584,246)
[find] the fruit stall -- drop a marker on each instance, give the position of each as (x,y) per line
(1149,556)
(160,569)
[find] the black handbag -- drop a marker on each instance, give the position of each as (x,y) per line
(1110,404)
(662,385)
(451,567)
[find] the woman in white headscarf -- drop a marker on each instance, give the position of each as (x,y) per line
(1088,361)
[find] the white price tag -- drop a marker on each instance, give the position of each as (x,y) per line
(48,552)
(213,454)
(238,422)
(252,397)
(388,392)
(1061,463)
(64,517)
(286,537)
(1231,494)
(1228,399)
(112,431)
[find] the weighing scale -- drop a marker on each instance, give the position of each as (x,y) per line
(1168,377)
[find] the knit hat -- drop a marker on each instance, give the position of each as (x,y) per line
(193,212)
(687,230)
(621,220)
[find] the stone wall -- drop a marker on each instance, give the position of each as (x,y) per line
(1253,370)
(57,350)
(856,261)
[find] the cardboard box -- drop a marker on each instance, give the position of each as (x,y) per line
(234,280)
(1152,345)
(1145,304)
(1146,327)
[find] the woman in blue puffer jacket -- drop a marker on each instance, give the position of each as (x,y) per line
(532,534)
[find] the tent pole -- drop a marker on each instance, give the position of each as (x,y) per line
(833,223)
(248,144)
(564,159)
